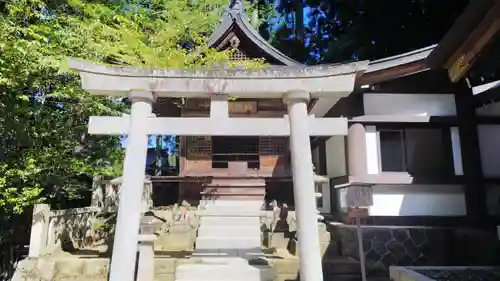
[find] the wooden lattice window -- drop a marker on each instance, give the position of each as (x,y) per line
(239,55)
(272,145)
(199,145)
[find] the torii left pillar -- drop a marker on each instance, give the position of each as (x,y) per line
(127,224)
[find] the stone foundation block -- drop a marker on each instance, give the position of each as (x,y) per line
(288,267)
(34,270)
(164,277)
(286,277)
(181,227)
(96,267)
(69,267)
(277,240)
(179,236)
(164,266)
(327,249)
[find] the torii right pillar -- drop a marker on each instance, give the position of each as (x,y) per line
(303,187)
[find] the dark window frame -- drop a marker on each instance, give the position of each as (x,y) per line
(404,164)
(446,141)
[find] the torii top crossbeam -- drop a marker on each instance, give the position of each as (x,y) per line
(330,81)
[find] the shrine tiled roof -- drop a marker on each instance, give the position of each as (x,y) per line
(234,20)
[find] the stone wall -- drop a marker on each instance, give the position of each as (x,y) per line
(105,194)
(84,228)
(72,225)
(95,269)
(419,246)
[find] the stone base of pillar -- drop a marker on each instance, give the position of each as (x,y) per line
(146,264)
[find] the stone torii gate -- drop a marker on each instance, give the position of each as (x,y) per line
(295,85)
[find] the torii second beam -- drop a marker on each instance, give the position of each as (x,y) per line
(99,125)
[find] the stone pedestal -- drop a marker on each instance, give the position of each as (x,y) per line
(146,264)
(278,240)
(327,248)
(179,236)
(39,230)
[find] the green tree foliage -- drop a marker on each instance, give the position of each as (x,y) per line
(46,152)
(342,30)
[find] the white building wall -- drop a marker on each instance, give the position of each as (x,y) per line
(336,161)
(410,199)
(372,150)
(457,151)
(414,200)
(410,104)
(418,200)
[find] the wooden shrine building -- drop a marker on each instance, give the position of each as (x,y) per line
(212,166)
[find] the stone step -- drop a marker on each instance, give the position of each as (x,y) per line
(229,221)
(245,256)
(238,182)
(256,203)
(227,231)
(230,212)
(230,196)
(229,272)
(234,190)
(227,243)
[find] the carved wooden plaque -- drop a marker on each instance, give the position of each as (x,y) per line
(198,104)
(243,107)
(458,69)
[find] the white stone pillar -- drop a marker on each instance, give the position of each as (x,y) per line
(146,264)
(39,230)
(303,187)
(219,106)
(130,201)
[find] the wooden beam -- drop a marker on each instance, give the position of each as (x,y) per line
(99,125)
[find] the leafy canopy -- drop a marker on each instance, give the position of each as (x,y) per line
(43,111)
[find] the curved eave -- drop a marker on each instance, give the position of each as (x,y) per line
(220,32)
(239,21)
(393,67)
(322,80)
(464,26)
(380,70)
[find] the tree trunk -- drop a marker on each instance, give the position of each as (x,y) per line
(299,21)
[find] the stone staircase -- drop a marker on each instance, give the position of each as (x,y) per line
(228,245)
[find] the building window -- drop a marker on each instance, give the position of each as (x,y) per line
(392,151)
(416,151)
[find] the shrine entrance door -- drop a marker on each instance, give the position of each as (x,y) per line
(235,149)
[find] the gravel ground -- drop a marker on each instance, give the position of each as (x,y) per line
(462,275)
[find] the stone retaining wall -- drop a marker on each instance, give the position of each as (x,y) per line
(95,269)
(419,246)
(84,228)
